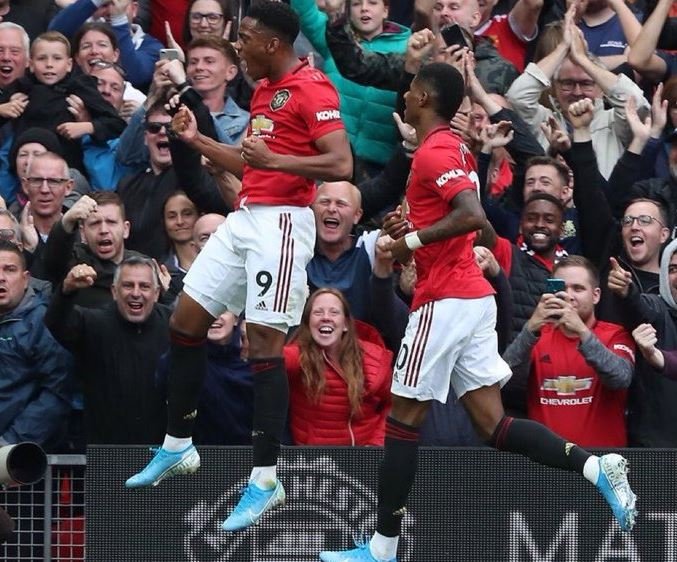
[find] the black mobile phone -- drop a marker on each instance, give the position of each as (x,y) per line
(554,286)
(453,35)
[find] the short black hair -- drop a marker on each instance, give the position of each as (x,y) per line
(541,196)
(278,17)
(446,85)
(7,246)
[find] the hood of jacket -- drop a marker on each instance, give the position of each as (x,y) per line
(665,290)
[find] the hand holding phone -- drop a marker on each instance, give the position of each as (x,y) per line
(453,35)
(169,54)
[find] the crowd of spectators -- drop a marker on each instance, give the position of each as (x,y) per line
(570,113)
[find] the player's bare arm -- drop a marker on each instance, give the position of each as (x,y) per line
(466,216)
(334,163)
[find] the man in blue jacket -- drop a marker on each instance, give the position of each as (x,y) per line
(34,379)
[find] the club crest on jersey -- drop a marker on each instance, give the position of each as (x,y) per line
(261,125)
(279,100)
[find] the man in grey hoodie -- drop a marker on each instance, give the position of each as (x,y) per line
(652,401)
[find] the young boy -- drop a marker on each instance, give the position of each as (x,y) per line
(45,90)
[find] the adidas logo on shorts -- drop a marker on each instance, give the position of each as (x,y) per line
(261,306)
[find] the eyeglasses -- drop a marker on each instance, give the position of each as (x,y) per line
(213,18)
(7,234)
(569,85)
(642,220)
(154,127)
(52,183)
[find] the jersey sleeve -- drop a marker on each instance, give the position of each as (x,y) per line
(622,344)
(319,107)
(448,171)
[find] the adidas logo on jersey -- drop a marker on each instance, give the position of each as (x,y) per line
(261,306)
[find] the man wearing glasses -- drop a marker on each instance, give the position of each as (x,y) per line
(573,75)
(46,185)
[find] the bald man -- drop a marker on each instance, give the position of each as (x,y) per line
(351,263)
(205,226)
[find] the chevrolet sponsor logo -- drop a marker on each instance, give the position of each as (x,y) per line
(566,385)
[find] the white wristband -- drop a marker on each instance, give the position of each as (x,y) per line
(412,241)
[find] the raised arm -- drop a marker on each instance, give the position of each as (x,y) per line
(642,55)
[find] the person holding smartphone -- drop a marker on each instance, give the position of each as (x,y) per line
(576,368)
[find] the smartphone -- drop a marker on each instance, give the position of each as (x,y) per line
(169,54)
(554,286)
(453,35)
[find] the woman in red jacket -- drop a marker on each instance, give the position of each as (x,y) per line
(339,380)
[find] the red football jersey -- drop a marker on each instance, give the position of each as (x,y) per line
(443,167)
(566,395)
(508,44)
(290,115)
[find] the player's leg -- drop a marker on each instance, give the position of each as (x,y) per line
(422,374)
(526,437)
(276,294)
(210,287)
(187,366)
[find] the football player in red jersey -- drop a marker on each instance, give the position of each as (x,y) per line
(451,338)
(256,260)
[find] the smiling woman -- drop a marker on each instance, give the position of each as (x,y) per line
(339,376)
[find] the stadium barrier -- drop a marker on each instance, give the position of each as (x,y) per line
(49,515)
(468,505)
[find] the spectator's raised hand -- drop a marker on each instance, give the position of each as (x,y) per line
(659,113)
(496,135)
(15,107)
(558,138)
(74,131)
(579,47)
(175,71)
(454,55)
(184,124)
(548,311)
(581,113)
(172,43)
(129,108)
(487,261)
(646,339)
(474,86)
(570,321)
(419,46)
(395,223)
(619,279)
(80,277)
(641,130)
(383,258)
(77,109)
(82,208)
(163,275)
(29,234)
(407,132)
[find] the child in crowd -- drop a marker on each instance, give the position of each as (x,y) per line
(41,98)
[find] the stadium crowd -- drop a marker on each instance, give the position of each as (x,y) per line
(570,113)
